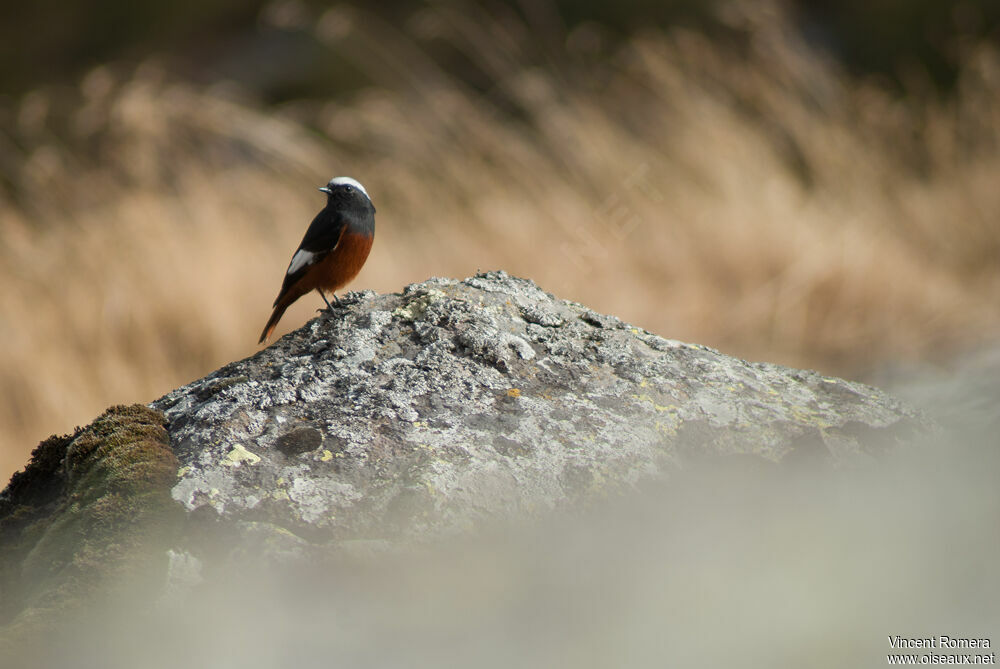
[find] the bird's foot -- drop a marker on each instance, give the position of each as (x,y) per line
(329,307)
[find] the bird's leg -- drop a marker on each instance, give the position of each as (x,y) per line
(329,307)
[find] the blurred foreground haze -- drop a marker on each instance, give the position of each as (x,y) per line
(748,569)
(811,183)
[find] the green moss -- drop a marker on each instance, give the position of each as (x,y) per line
(89,519)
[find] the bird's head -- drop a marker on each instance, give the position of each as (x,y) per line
(346,191)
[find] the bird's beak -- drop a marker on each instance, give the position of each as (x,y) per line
(325,189)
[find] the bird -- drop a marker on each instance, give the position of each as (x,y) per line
(333,250)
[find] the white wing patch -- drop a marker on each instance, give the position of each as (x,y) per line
(348,181)
(300,260)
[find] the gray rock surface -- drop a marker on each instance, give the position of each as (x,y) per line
(457,403)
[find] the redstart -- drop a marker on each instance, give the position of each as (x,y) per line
(333,250)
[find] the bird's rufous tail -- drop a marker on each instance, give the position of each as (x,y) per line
(272,322)
(283,302)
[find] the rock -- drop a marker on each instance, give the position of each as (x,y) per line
(458,402)
(401,418)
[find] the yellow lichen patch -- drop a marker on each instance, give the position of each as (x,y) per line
(416,308)
(182,471)
(514,392)
(326,456)
(238,455)
(809,417)
(666,428)
(643,397)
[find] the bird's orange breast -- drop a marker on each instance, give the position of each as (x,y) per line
(342,264)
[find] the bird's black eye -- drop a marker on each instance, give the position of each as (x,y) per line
(349,189)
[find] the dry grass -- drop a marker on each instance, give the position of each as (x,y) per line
(755,200)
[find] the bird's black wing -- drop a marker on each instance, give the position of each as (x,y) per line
(324,232)
(321,237)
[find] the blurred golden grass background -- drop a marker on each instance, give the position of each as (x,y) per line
(753,198)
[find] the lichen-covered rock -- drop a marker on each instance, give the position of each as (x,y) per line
(458,402)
